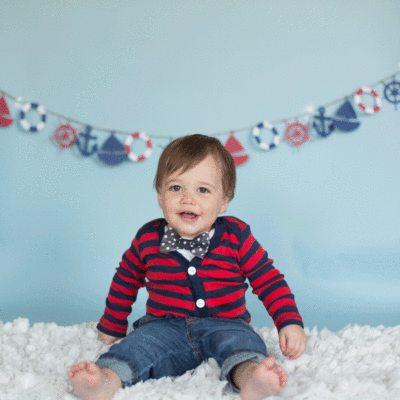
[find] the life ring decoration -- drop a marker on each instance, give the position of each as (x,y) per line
(25,124)
(138,135)
(367,90)
(263,145)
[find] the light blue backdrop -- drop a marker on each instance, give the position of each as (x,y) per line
(327,214)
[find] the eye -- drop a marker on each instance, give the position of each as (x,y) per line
(175,188)
(204,190)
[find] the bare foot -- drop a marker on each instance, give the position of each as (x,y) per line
(263,380)
(93,383)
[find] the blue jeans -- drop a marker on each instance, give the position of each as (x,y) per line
(170,346)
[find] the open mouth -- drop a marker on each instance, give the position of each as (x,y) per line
(188,215)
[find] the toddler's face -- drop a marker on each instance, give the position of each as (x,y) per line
(198,191)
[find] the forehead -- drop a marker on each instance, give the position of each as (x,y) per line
(209,169)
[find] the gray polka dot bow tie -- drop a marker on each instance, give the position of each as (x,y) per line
(172,241)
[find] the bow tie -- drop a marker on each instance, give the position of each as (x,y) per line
(172,241)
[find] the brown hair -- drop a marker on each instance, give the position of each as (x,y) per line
(188,151)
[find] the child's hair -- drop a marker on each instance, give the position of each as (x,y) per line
(188,151)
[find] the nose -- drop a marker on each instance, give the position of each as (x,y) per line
(188,197)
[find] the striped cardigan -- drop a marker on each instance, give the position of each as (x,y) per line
(211,287)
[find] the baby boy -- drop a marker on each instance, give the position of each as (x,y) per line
(193,264)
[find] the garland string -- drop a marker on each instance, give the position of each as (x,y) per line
(19,100)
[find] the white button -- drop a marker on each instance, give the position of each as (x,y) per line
(192,270)
(200,303)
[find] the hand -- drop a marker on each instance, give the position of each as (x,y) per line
(293,341)
(107,339)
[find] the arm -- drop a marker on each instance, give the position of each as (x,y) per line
(125,285)
(267,282)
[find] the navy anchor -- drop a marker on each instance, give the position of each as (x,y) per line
(321,129)
(84,150)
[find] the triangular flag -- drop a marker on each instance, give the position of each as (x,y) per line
(5,116)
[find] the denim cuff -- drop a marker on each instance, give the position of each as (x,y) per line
(234,360)
(120,367)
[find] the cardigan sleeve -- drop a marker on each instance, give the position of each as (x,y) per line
(125,285)
(267,282)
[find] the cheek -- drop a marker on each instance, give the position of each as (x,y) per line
(211,206)
(170,201)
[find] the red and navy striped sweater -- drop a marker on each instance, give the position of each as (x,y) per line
(214,286)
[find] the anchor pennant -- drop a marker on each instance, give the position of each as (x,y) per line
(83,147)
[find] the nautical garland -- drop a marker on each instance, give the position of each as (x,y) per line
(296,134)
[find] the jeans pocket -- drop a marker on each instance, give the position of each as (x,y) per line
(141,321)
(246,323)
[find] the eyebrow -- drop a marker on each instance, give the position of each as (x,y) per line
(201,183)
(207,184)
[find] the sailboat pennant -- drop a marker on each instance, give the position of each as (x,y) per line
(234,147)
(346,118)
(112,152)
(5,116)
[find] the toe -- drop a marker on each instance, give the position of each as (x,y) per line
(282,377)
(78,367)
(74,369)
(269,362)
(91,367)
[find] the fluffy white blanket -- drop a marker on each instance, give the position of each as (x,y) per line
(357,363)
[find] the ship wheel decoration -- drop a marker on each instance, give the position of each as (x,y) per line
(392,92)
(297,133)
(65,135)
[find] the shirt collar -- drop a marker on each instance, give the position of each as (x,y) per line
(215,233)
(210,234)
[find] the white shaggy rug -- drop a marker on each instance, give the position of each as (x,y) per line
(357,363)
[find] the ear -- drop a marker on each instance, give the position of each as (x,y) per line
(224,205)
